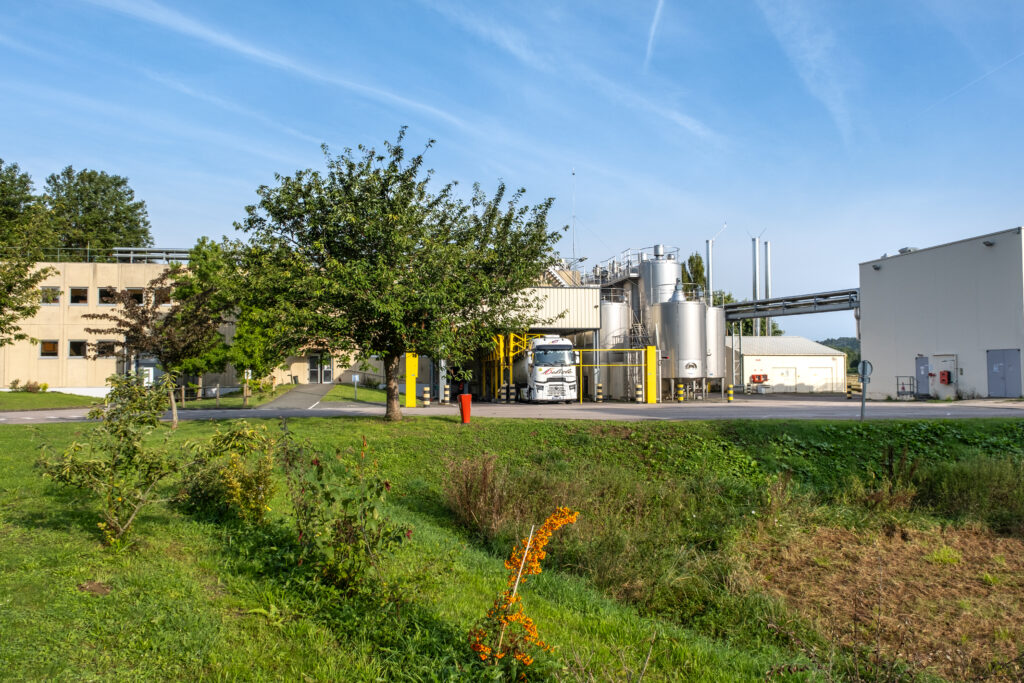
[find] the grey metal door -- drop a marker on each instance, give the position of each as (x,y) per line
(921,371)
(314,369)
(1011,357)
(326,369)
(1004,373)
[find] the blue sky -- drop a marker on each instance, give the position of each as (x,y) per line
(839,130)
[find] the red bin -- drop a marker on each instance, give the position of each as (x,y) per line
(464,403)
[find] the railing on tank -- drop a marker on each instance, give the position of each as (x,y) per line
(626,264)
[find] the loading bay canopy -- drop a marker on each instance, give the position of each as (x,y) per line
(821,302)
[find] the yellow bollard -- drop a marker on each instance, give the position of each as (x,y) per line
(600,393)
(638,393)
(680,393)
(729,394)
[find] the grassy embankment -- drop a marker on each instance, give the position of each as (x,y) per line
(24,400)
(346,392)
(714,541)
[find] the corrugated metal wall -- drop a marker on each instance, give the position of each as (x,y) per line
(575,308)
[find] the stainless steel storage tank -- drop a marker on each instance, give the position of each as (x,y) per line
(658,278)
(681,329)
(716,342)
(614,334)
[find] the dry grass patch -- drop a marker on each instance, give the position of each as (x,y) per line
(901,595)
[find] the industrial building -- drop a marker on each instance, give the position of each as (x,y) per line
(785,364)
(945,321)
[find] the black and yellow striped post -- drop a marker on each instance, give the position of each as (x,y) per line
(446,395)
(680,393)
(728,395)
(599,398)
(638,393)
(426,397)
(849,392)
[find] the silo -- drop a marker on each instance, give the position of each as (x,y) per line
(681,328)
(716,342)
(614,334)
(658,278)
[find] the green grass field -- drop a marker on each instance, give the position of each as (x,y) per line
(346,392)
(656,565)
(234,400)
(23,400)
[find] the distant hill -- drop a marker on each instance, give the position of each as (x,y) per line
(848,345)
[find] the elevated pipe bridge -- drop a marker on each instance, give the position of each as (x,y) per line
(821,302)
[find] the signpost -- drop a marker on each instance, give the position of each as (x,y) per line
(864,369)
(355,387)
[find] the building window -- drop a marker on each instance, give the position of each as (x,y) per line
(76,349)
(137,294)
(50,296)
(106,349)
(108,296)
(162,296)
(48,348)
(79,296)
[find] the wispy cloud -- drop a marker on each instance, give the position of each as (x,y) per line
(167,127)
(227,105)
(19,46)
(519,46)
(813,51)
(172,20)
(650,34)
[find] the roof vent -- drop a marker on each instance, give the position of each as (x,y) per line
(907,250)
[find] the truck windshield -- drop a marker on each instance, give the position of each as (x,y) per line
(553,357)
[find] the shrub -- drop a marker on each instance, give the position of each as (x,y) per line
(342,529)
(477,491)
(231,476)
(30,387)
(44,387)
(115,465)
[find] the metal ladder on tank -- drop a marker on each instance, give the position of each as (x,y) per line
(638,339)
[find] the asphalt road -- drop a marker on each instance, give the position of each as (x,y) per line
(744,407)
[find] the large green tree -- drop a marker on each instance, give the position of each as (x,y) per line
(95,210)
(22,231)
(19,278)
(365,258)
(19,296)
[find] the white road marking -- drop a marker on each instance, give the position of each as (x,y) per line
(314,405)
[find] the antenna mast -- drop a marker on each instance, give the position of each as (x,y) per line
(574,215)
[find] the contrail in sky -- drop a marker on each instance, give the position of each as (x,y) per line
(977,80)
(650,34)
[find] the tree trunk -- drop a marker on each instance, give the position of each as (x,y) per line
(394,409)
(174,410)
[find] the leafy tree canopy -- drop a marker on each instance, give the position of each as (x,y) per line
(22,232)
(96,210)
(364,258)
(19,296)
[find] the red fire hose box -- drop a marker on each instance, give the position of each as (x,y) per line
(464,402)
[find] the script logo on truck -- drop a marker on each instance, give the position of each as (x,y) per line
(556,371)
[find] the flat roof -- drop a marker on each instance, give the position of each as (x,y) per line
(939,246)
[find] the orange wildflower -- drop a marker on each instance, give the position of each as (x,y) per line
(515,631)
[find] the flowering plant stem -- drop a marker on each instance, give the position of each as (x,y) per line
(518,577)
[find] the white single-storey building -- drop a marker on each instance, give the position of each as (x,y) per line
(786,364)
(946,321)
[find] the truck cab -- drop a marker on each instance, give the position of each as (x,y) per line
(546,372)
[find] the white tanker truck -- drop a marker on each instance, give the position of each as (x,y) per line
(546,371)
